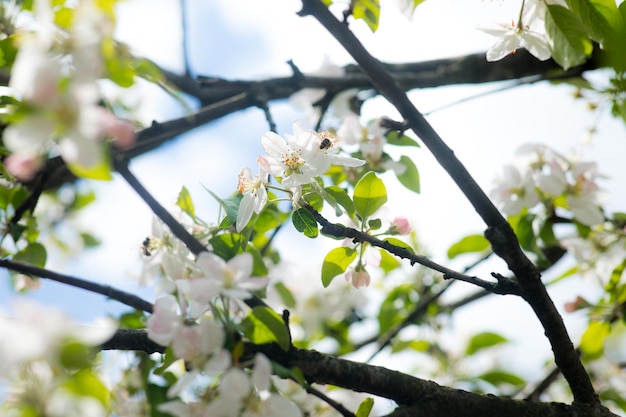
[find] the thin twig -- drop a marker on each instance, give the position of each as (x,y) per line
(334,404)
(123,297)
(502,286)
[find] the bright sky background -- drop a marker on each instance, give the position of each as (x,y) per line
(248,39)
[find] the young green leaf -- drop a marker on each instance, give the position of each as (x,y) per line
(365,407)
(484,340)
(497,378)
(263,325)
(468,244)
(341,197)
(285,295)
(369,195)
(336,262)
(410,178)
(304,222)
(185,202)
(592,342)
(34,254)
(368,10)
(395,138)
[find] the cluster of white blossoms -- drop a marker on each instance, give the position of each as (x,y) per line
(528,30)
(294,161)
(37,345)
(54,77)
(553,180)
(184,320)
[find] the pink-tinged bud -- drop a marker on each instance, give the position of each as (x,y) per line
(401,226)
(360,277)
(22,167)
(122,132)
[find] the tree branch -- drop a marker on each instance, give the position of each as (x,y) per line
(123,297)
(499,232)
(502,286)
(415,397)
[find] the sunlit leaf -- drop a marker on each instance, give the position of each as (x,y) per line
(341,197)
(570,40)
(365,407)
(263,325)
(368,10)
(468,244)
(498,377)
(336,262)
(484,340)
(285,295)
(34,254)
(395,138)
(369,195)
(185,203)
(592,341)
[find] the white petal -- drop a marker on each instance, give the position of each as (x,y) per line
(536,45)
(246,208)
(503,47)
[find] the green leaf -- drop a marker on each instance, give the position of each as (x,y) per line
(388,262)
(397,242)
(592,342)
(76,355)
(468,244)
(285,295)
(374,224)
(341,197)
(396,139)
(263,325)
(570,41)
(336,262)
(497,378)
(365,407)
(227,245)
(369,195)
(410,178)
(185,202)
(368,10)
(89,240)
(484,340)
(305,223)
(34,254)
(100,171)
(86,383)
(601,17)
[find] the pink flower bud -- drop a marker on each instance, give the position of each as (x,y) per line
(360,277)
(401,226)
(22,167)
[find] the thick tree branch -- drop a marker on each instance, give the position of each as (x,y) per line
(123,297)
(499,232)
(415,397)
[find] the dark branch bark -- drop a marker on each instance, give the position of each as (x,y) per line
(415,397)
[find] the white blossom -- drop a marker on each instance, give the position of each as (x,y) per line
(254,194)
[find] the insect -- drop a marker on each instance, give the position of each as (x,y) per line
(146,247)
(327,140)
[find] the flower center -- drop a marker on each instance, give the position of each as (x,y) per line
(292,161)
